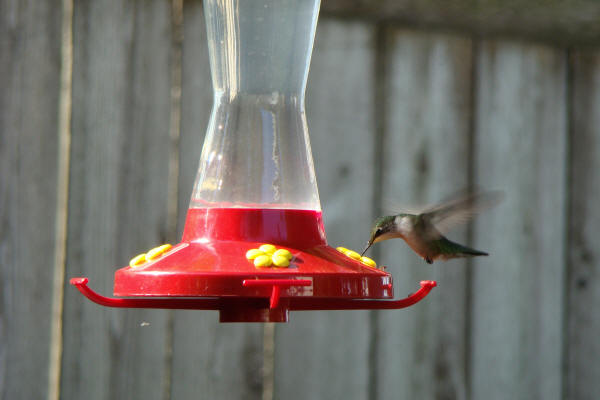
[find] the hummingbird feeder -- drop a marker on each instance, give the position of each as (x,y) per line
(254,247)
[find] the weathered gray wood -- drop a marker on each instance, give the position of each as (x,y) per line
(583,351)
(553,21)
(518,291)
(118,196)
(421,350)
(29,92)
(216,361)
(210,360)
(324,355)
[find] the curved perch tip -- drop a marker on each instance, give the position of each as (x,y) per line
(78,281)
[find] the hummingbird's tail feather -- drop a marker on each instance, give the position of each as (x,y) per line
(472,252)
(463,254)
(449,249)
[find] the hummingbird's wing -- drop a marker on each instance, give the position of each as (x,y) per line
(459,210)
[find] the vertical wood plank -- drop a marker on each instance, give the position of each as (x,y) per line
(325,354)
(583,322)
(421,350)
(210,360)
(518,291)
(118,196)
(29,92)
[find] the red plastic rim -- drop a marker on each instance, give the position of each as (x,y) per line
(253,309)
(220,268)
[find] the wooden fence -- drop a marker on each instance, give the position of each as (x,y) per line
(103,108)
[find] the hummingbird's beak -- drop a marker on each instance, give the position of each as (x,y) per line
(366,248)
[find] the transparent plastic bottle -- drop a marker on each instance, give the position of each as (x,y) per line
(256,185)
(256,152)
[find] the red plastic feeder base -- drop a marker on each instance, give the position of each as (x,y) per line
(209,270)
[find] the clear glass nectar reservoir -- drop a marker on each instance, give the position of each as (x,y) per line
(257,151)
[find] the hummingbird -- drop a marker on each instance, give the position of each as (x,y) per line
(423,232)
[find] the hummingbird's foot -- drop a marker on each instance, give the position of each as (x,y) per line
(428,260)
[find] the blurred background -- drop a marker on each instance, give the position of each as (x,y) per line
(103,109)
